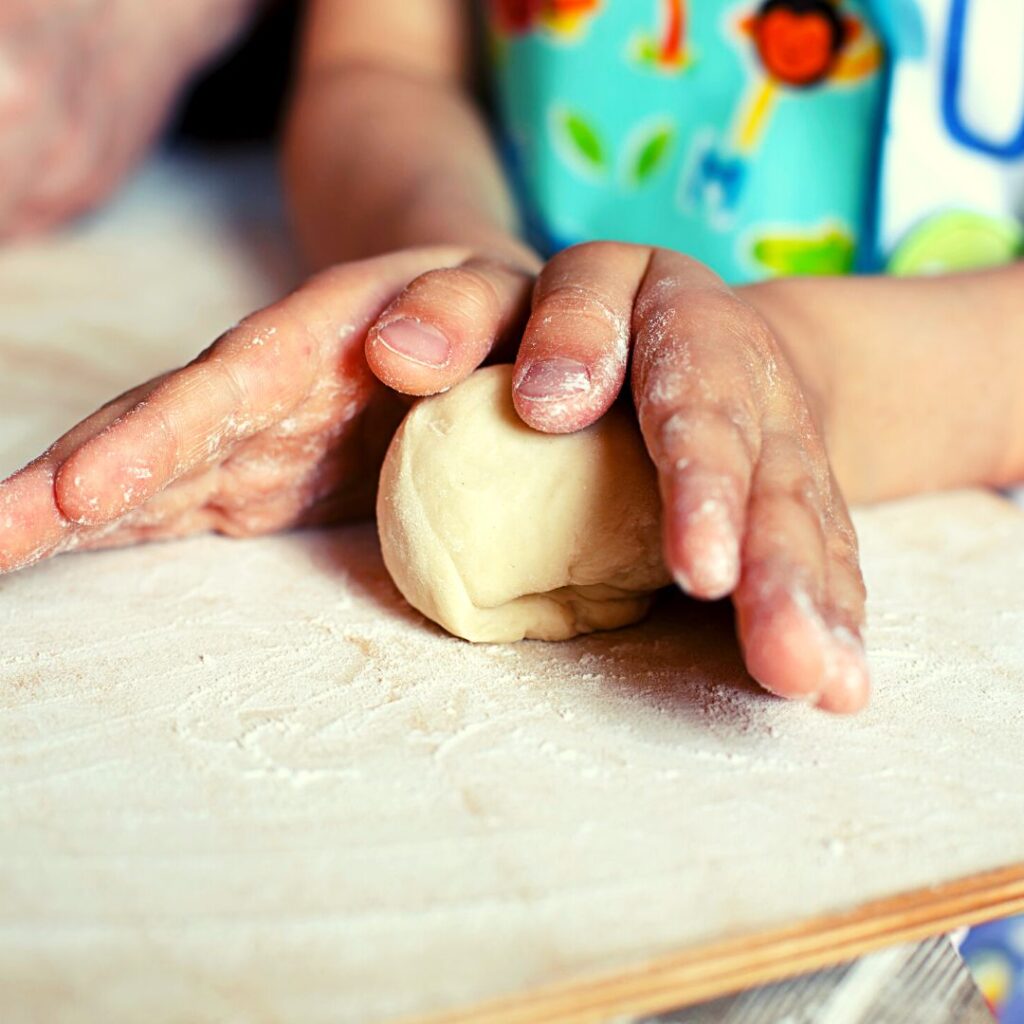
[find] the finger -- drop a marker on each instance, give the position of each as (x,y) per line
(798,612)
(699,369)
(849,685)
(249,379)
(243,497)
(178,511)
(32,524)
(574,352)
(233,391)
(446,322)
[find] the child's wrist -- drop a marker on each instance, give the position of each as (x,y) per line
(415,228)
(807,352)
(916,382)
(456,225)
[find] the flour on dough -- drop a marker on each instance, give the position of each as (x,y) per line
(498,532)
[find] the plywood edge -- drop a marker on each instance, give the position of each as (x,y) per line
(722,968)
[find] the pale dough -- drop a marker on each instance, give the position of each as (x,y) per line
(499,533)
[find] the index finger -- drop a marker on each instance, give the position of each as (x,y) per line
(32,525)
(250,378)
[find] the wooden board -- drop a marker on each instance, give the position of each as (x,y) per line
(243,781)
(721,968)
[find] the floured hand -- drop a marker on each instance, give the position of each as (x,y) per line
(751,508)
(278,423)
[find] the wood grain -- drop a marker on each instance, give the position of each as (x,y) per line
(721,968)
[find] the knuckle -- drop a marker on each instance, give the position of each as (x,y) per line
(788,487)
(243,521)
(847,594)
(465,293)
(225,375)
(843,551)
(672,432)
(573,297)
(580,303)
(165,427)
(593,250)
(800,493)
(673,277)
(728,430)
(749,332)
(846,536)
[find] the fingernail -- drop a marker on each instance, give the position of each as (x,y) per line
(718,569)
(683,581)
(417,342)
(548,380)
(713,575)
(716,562)
(704,547)
(846,672)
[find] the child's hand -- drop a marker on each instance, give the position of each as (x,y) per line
(751,506)
(279,422)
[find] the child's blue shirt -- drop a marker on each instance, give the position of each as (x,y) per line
(767,138)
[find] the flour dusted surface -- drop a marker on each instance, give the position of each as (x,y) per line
(245,774)
(244,781)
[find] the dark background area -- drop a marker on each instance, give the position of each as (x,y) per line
(241,99)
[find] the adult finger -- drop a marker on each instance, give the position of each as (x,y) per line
(445,323)
(572,361)
(249,379)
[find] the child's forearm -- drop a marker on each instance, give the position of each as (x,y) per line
(919,382)
(378,159)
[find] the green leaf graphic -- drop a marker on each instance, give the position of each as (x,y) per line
(584,139)
(652,154)
(828,253)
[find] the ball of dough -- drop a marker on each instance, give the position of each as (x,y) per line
(498,532)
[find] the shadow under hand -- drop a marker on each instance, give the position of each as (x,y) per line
(683,659)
